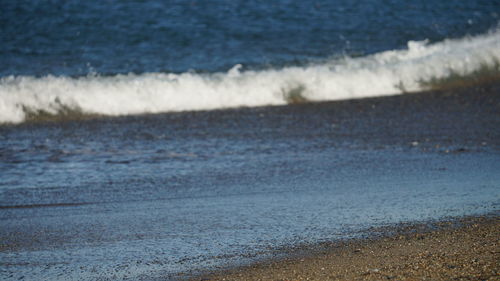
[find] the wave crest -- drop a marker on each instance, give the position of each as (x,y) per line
(387,73)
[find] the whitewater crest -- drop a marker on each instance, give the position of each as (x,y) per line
(386,73)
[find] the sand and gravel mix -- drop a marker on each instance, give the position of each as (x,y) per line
(467,249)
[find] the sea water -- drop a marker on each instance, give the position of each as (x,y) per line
(95,186)
(136,57)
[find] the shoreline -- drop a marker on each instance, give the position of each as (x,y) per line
(248,190)
(455,249)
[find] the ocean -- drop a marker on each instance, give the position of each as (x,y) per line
(152,140)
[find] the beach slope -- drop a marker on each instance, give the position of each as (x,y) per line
(469,251)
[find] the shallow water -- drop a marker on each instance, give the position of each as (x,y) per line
(153,196)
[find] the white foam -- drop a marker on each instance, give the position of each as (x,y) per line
(385,73)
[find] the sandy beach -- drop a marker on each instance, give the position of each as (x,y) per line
(465,249)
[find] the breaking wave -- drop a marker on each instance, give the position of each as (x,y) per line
(386,73)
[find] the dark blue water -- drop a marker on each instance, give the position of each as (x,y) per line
(108,37)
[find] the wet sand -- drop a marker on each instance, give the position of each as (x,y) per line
(465,249)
